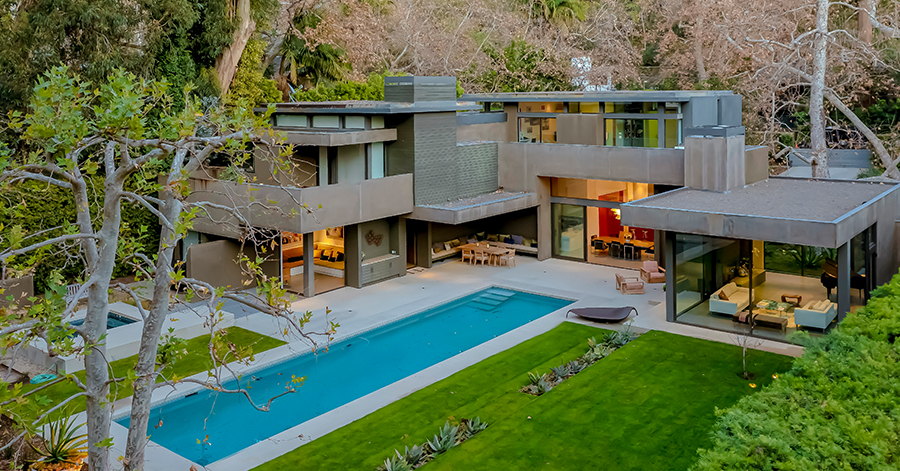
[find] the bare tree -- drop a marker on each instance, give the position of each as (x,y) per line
(123,131)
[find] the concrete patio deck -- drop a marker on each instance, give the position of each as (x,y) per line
(359,310)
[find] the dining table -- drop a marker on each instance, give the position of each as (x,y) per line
(494,252)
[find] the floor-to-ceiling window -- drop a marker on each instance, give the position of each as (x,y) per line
(732,284)
(606,240)
(568,230)
(537,130)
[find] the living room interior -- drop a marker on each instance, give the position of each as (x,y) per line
(791,287)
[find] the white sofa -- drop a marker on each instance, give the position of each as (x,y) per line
(818,314)
(738,300)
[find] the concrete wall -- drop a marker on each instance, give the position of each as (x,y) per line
(351,163)
(521,164)
(341,204)
(585,129)
(714,163)
(481,132)
(217,263)
(757,163)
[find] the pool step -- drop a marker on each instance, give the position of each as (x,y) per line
(494,297)
(500,292)
(483,306)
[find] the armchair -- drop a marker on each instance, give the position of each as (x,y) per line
(629,284)
(652,273)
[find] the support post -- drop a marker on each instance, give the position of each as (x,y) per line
(352,256)
(671,273)
(843,287)
(309,266)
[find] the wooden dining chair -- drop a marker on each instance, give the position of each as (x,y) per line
(509,257)
(481,256)
(468,254)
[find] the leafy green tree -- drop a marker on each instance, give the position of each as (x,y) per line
(521,67)
(103,130)
(559,10)
(91,36)
(249,84)
(302,64)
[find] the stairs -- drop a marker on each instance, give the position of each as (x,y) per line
(491,298)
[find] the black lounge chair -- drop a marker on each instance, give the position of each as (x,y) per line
(604,314)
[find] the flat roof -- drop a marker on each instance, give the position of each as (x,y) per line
(824,213)
(477,207)
(369,107)
(608,96)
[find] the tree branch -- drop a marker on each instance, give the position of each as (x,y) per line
(12,253)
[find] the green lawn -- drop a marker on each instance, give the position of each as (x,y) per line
(649,405)
(196,361)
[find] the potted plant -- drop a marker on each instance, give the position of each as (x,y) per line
(62,450)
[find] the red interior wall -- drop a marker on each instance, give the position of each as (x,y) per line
(608,225)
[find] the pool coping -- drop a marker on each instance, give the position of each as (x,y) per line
(286,441)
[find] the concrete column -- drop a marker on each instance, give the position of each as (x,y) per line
(423,245)
(323,166)
(671,273)
(843,287)
(512,121)
(352,258)
(544,220)
(309,272)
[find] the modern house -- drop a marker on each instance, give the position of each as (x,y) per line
(608,177)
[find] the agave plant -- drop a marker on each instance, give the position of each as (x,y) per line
(534,378)
(445,441)
(544,386)
(561,371)
(576,367)
(414,455)
(475,425)
(396,463)
(63,446)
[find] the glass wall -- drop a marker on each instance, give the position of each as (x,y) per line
(537,130)
(568,230)
(641,107)
(632,132)
(584,108)
(541,107)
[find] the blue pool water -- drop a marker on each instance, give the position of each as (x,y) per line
(113,320)
(349,370)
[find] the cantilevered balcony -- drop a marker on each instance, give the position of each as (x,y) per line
(298,210)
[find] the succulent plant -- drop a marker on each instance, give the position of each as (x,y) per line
(476,425)
(561,371)
(576,367)
(396,463)
(544,386)
(413,455)
(445,441)
(534,378)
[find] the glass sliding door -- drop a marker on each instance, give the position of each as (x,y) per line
(568,231)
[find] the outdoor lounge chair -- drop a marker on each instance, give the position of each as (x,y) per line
(629,284)
(652,273)
(604,314)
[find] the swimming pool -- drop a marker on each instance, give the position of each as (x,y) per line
(113,320)
(351,369)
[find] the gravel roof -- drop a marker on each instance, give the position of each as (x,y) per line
(811,200)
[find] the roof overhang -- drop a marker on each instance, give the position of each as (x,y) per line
(337,138)
(624,96)
(473,209)
(794,211)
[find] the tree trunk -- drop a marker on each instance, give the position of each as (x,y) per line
(702,75)
(146,364)
(95,363)
(819,160)
(227,62)
(865,22)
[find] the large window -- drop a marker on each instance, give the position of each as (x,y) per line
(541,108)
(632,132)
(568,230)
(537,130)
(642,108)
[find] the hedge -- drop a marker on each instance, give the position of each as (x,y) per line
(838,408)
(36,206)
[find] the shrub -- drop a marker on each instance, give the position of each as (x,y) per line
(837,408)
